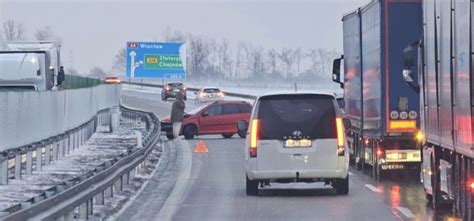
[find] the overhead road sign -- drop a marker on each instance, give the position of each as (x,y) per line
(156,60)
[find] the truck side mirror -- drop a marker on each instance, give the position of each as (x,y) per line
(409,63)
(347,123)
(336,71)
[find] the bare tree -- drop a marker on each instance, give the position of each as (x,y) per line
(120,61)
(257,63)
(173,36)
(272,57)
(13,31)
(225,51)
(313,55)
(298,57)
(242,58)
(72,71)
(287,58)
(46,34)
(321,60)
(198,51)
(97,72)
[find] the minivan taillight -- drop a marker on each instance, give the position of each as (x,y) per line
(340,136)
(254,137)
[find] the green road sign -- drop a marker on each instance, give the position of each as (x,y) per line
(156,61)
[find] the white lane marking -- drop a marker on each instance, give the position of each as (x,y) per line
(178,193)
(373,188)
(351,174)
(406,212)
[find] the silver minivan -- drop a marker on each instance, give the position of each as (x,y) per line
(296,137)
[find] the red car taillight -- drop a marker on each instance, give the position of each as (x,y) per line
(340,137)
(254,137)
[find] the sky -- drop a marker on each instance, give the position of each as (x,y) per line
(93,31)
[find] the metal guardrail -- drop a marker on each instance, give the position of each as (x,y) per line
(46,151)
(232,94)
(60,202)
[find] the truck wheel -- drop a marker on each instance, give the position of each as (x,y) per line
(342,186)
(251,187)
(189,132)
(227,136)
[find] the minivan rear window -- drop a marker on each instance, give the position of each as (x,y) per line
(310,115)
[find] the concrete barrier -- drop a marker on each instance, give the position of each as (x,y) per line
(30,116)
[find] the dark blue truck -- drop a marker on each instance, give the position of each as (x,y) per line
(382,108)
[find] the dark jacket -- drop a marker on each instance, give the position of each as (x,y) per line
(61,77)
(177,110)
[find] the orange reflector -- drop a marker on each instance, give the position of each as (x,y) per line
(340,132)
(254,137)
(402,125)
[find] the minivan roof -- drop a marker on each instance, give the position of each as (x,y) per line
(313,92)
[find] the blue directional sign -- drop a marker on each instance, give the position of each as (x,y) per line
(156,60)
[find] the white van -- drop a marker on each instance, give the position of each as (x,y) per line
(296,137)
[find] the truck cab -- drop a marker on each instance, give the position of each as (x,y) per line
(29,65)
(25,70)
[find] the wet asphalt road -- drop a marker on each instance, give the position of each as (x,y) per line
(215,187)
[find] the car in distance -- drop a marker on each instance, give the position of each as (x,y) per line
(112,80)
(208,94)
(171,89)
(296,137)
(218,117)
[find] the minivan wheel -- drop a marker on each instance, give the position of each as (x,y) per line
(241,134)
(342,186)
(189,132)
(251,187)
(227,136)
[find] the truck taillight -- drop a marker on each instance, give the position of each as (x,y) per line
(379,152)
(254,137)
(340,137)
(471,184)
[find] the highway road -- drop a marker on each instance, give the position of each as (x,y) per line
(211,186)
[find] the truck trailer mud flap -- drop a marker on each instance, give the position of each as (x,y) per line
(446,178)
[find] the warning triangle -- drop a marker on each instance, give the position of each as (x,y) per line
(201,147)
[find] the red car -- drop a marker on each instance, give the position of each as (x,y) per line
(219,117)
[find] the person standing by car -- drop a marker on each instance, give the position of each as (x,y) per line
(177,113)
(61,77)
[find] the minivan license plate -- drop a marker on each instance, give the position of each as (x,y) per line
(298,143)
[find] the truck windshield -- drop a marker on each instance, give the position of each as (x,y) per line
(18,66)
